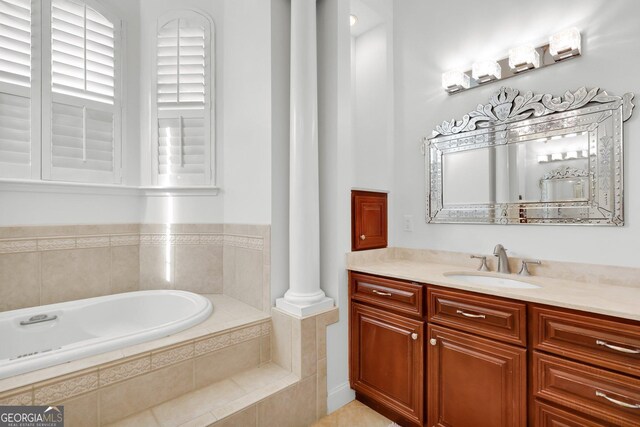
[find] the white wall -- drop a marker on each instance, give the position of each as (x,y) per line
(432,37)
(247,112)
(355,106)
(280,71)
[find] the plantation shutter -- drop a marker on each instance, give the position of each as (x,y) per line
(84,118)
(183,154)
(15,89)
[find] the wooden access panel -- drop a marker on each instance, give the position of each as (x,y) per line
(368,220)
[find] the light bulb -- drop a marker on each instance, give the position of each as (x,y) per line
(523,58)
(565,44)
(485,71)
(454,80)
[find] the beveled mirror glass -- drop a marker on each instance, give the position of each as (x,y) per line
(530,159)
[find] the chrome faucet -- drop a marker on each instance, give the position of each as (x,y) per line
(503,259)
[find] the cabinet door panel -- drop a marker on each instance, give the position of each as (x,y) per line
(387,361)
(474,382)
(369,220)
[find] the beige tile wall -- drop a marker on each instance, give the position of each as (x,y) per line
(44,265)
(246,264)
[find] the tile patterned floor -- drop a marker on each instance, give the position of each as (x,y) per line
(354,414)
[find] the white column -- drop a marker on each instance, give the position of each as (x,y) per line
(304,296)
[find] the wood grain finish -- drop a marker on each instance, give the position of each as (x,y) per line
(552,416)
(490,317)
(583,388)
(474,382)
(397,295)
(387,360)
(368,220)
(594,340)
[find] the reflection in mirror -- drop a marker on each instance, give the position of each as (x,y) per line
(527,171)
(530,159)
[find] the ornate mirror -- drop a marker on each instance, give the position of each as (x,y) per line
(530,159)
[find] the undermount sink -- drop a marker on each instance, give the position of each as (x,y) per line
(491,281)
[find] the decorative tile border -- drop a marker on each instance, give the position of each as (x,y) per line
(172,356)
(18,245)
(208,345)
(121,371)
(58,390)
(62,388)
(19,397)
(9,246)
(245,242)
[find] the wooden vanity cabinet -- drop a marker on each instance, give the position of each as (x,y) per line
(386,336)
(431,356)
(477,363)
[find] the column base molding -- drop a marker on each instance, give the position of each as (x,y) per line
(304,310)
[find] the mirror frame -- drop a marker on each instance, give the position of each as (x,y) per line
(511,118)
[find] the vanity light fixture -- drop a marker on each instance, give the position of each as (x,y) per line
(561,46)
(565,44)
(486,71)
(353,20)
(557,157)
(454,81)
(523,58)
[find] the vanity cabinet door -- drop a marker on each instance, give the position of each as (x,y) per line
(387,363)
(474,382)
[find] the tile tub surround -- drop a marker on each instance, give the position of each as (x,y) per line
(120,383)
(46,265)
(289,391)
(608,290)
(49,264)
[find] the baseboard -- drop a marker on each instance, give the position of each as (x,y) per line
(339,396)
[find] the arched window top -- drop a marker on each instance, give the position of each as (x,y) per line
(83,45)
(183,61)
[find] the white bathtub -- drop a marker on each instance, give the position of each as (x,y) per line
(77,329)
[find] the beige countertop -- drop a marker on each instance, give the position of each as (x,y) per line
(613,299)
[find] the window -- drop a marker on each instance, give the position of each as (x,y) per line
(183,150)
(67,127)
(17,113)
(81,128)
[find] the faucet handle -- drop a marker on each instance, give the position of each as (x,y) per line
(524,270)
(483,265)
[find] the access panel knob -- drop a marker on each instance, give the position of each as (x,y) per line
(362,237)
(433,341)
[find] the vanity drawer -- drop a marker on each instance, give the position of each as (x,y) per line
(486,316)
(605,395)
(398,295)
(551,416)
(606,343)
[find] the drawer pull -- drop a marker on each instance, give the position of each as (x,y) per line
(617,402)
(382,294)
(414,336)
(475,316)
(616,348)
(363,237)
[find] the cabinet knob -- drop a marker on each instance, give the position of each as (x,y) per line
(433,341)
(362,237)
(414,336)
